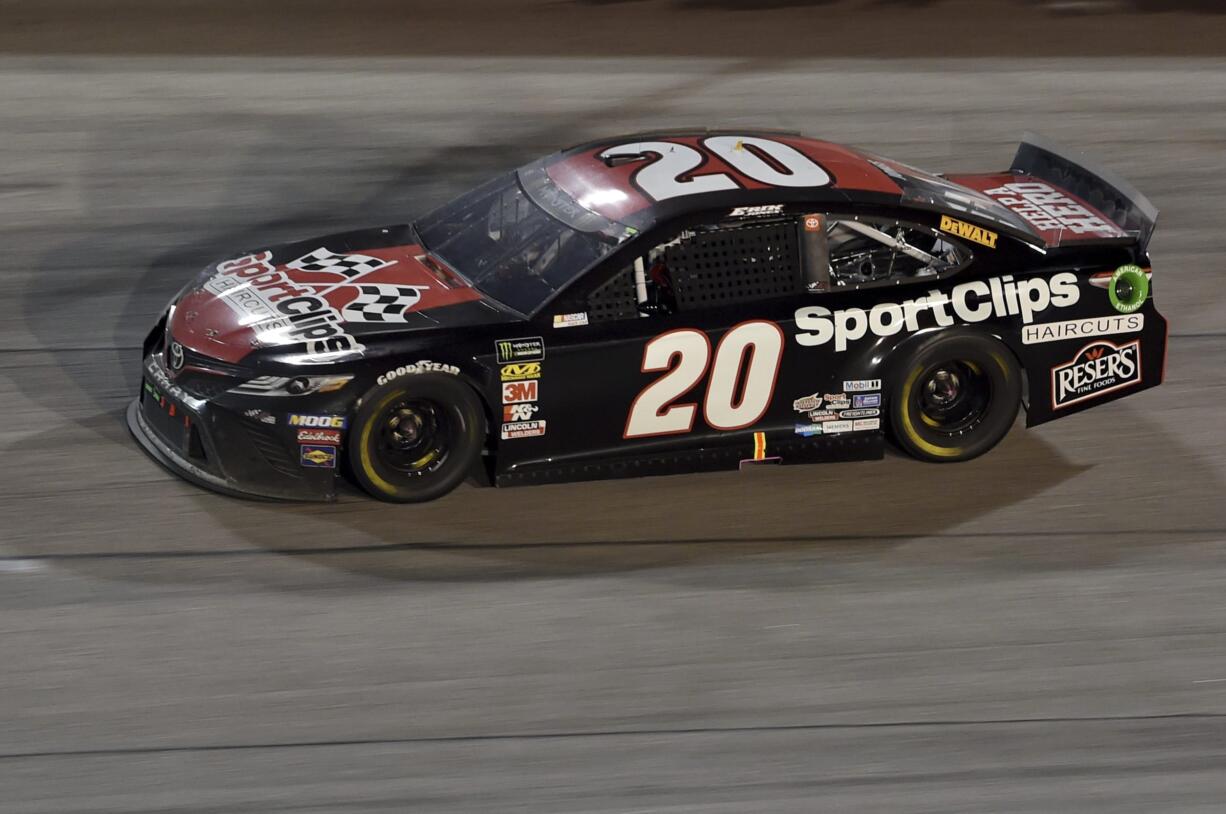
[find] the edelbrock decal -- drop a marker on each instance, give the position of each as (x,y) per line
(974,301)
(1082,328)
(1100,367)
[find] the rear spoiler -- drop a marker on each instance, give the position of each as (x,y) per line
(1110,194)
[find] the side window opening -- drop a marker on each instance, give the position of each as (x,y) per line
(739,261)
(705,266)
(871,251)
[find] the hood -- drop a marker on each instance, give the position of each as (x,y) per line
(315,300)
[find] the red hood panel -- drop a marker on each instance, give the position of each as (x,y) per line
(1059,216)
(316,298)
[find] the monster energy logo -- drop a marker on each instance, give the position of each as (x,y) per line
(524,349)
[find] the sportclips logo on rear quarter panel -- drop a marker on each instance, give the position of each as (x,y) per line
(524,349)
(1100,367)
(974,301)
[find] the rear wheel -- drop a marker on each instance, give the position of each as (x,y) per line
(957,398)
(416,438)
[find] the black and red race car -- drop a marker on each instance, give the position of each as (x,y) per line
(660,303)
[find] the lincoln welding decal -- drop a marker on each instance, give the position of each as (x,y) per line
(1098,368)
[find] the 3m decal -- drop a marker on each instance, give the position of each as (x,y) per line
(969,231)
(319,437)
(524,349)
(1082,328)
(330,421)
(519,372)
(669,172)
(516,392)
(861,385)
(866,400)
(1050,210)
(974,301)
(424,366)
(322,457)
(518,412)
(739,389)
(866,424)
(523,429)
(1100,367)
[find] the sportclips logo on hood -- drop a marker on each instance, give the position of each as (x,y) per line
(278,310)
(975,301)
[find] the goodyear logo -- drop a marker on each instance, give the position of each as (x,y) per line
(335,422)
(521,371)
(973,233)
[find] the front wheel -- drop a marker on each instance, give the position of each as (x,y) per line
(957,397)
(416,437)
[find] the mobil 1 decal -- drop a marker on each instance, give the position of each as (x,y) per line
(1098,368)
(974,301)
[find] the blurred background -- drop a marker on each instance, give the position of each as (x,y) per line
(1042,629)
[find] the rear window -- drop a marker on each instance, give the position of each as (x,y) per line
(928,191)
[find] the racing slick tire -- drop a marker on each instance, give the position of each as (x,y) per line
(956,397)
(416,438)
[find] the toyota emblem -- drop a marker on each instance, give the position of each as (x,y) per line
(176,356)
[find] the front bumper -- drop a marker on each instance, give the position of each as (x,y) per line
(219,448)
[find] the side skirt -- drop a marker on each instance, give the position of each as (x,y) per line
(861,446)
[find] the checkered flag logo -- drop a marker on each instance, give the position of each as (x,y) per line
(379,302)
(346,265)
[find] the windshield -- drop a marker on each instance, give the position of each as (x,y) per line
(930,191)
(507,246)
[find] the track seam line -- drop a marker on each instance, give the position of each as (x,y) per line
(445,546)
(612,733)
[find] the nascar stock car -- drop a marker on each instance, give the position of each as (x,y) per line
(660,303)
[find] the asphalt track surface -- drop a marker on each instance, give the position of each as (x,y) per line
(1039,630)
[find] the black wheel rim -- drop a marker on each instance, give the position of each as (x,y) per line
(953,397)
(414,436)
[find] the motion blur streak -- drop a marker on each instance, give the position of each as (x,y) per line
(1037,630)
